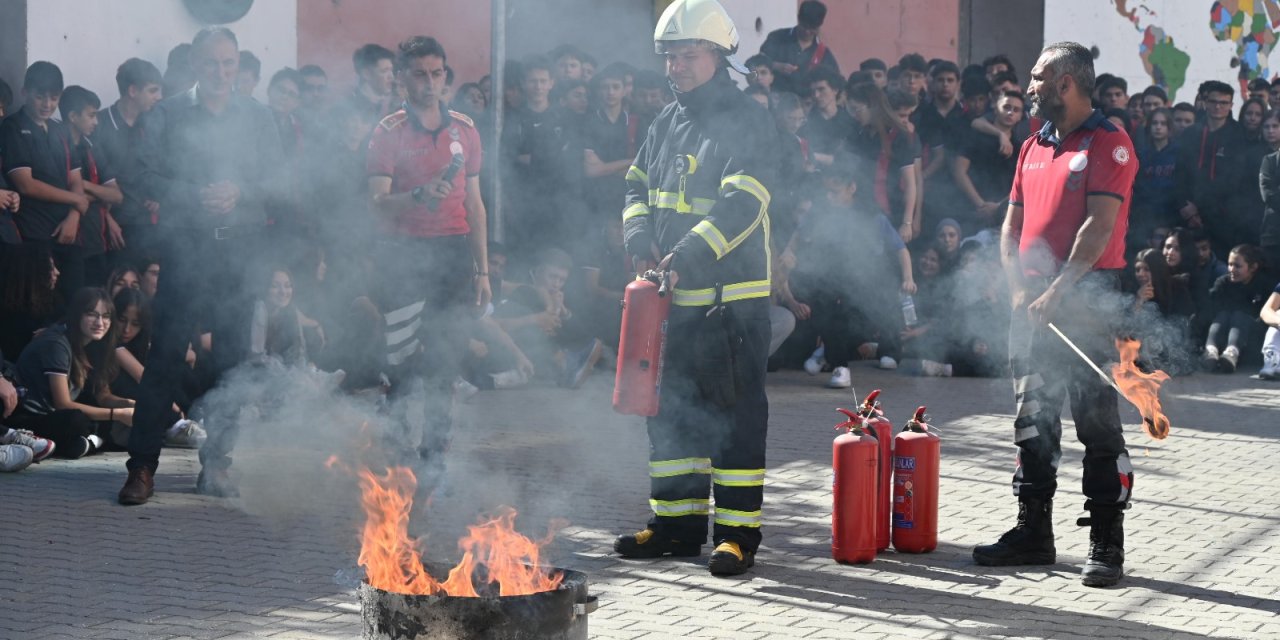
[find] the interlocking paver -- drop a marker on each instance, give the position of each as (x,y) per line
(273,564)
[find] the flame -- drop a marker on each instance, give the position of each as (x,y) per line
(1141,388)
(494,553)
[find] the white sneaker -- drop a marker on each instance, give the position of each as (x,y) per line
(509,379)
(1270,366)
(888,363)
(463,390)
(40,447)
(814,364)
(935,369)
(15,457)
(840,378)
(185,434)
(1210,357)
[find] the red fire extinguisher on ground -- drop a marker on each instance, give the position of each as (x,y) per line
(854,460)
(916,455)
(645,309)
(877,422)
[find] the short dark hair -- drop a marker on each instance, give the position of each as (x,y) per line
(562,89)
(752,90)
(369,56)
(974,86)
(136,72)
(1185,106)
(827,75)
(1275,82)
(42,77)
(615,71)
(415,47)
(1121,114)
(533,63)
(758,60)
(553,257)
(1157,91)
(998,58)
(1020,96)
(1111,83)
(913,62)
(312,71)
(1216,86)
(1259,84)
(899,99)
(1072,59)
(287,74)
(74,99)
(250,62)
(944,66)
(1003,77)
(873,64)
(208,33)
(565,50)
(812,13)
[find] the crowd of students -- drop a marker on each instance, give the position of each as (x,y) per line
(893,181)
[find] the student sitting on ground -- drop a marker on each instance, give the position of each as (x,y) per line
(55,368)
(1237,299)
(18,449)
(133,326)
(1270,316)
(28,297)
(122,278)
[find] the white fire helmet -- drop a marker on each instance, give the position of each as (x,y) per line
(699,20)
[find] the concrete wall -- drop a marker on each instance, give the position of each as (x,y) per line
(88,40)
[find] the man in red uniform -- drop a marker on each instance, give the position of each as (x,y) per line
(424,167)
(1063,248)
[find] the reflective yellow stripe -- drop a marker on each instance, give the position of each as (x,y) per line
(738,477)
(752,186)
(671,200)
(635,209)
(732,518)
(706,297)
(681,467)
(713,237)
(677,508)
(634,173)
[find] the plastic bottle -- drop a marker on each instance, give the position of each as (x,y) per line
(909,311)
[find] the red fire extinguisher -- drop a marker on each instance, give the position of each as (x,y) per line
(877,422)
(641,348)
(917,453)
(854,456)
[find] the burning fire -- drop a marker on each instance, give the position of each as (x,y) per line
(495,556)
(1141,388)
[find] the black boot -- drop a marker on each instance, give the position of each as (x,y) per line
(1028,543)
(647,544)
(1106,547)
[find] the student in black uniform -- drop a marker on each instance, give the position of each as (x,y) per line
(99,231)
(611,137)
(116,142)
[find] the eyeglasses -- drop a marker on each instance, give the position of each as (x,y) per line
(94,315)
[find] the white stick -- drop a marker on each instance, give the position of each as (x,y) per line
(1105,378)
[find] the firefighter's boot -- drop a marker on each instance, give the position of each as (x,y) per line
(648,544)
(729,559)
(1105,566)
(1030,542)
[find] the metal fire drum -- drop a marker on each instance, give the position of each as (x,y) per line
(550,615)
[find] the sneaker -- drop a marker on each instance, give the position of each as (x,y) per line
(935,369)
(40,447)
(647,544)
(887,362)
(840,378)
(580,365)
(509,379)
(729,559)
(95,443)
(1210,357)
(463,390)
(815,362)
(1230,358)
(15,457)
(185,434)
(1270,366)
(76,449)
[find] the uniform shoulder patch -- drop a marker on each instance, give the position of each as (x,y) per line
(462,117)
(1120,154)
(394,120)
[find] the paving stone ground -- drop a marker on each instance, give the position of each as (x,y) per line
(1203,555)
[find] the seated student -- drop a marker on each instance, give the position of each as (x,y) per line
(1179,249)
(56,369)
(122,278)
(28,301)
(18,448)
(1237,299)
(600,282)
(1270,316)
(494,360)
(536,317)
(133,326)
(927,341)
(276,332)
(946,239)
(850,265)
(761,68)
(979,332)
(1161,313)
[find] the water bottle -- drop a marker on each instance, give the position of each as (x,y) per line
(909,311)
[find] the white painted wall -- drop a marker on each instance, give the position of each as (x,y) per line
(88,39)
(773,14)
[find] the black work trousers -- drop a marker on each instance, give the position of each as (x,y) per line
(1046,373)
(64,426)
(696,443)
(205,286)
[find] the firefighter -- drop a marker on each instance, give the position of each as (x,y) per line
(698,206)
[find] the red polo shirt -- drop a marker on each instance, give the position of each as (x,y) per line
(411,155)
(1053,182)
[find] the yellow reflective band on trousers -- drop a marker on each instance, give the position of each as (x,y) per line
(738,477)
(672,200)
(634,173)
(732,518)
(681,467)
(713,237)
(678,508)
(732,292)
(635,209)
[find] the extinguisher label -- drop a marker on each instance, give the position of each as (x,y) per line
(904,492)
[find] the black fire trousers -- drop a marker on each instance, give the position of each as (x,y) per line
(1046,372)
(205,286)
(696,443)
(427,302)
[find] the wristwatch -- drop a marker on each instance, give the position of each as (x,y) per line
(419,194)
